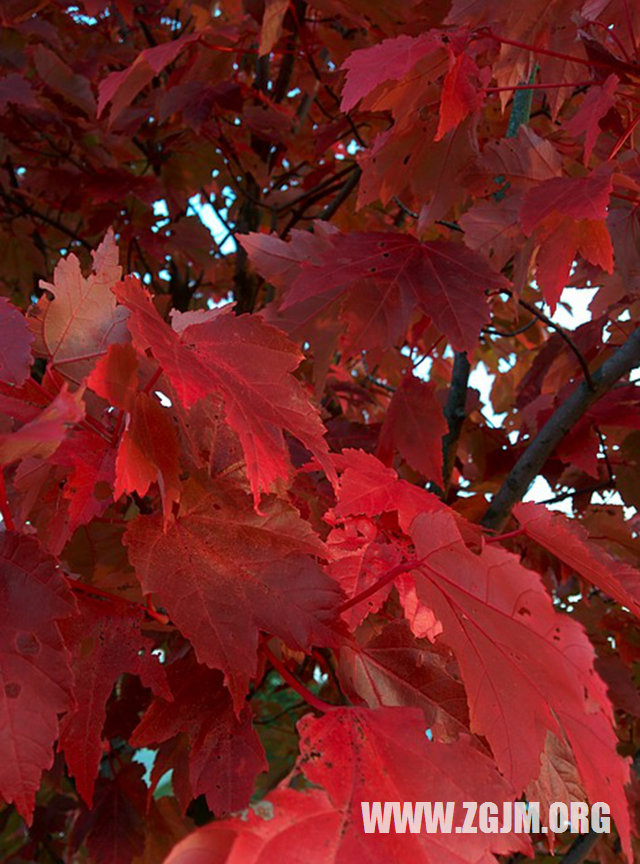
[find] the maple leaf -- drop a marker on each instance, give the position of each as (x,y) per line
(576,197)
(15,344)
(507,638)
(269,834)
(89,484)
(597,102)
(568,215)
(223,573)
(371,755)
(62,79)
(569,542)
(75,327)
(35,675)
(414,425)
(460,96)
(558,780)
(119,89)
(148,453)
(249,364)
(105,641)
(390,60)
(444,280)
(115,376)
(271,29)
(369,488)
(390,668)
(226,754)
(522,162)
(359,560)
(114,829)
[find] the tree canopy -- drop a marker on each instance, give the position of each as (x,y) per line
(268,550)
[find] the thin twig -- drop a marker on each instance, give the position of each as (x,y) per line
(494,331)
(563,335)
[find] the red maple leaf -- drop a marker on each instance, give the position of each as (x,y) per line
(224,572)
(225,752)
(246,362)
(105,641)
(441,279)
(35,675)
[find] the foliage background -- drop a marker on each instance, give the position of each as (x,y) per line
(419,182)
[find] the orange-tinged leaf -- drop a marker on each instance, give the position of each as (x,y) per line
(82,320)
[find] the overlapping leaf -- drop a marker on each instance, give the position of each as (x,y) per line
(105,641)
(440,279)
(226,754)
(246,362)
(224,572)
(35,676)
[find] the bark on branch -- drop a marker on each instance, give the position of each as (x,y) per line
(455,414)
(559,424)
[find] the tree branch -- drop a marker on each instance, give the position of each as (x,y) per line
(580,848)
(455,413)
(341,197)
(559,424)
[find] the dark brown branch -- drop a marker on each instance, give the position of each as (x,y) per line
(341,197)
(529,465)
(455,413)
(580,848)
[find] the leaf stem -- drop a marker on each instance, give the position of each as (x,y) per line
(92,590)
(497,538)
(309,697)
(536,49)
(153,379)
(5,510)
(384,580)
(512,87)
